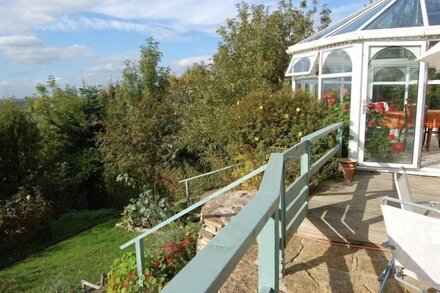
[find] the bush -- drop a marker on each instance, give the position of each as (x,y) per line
(265,122)
(144,211)
(24,217)
(162,263)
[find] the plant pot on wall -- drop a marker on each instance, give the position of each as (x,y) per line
(347,167)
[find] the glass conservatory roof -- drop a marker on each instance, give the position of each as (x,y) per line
(385,14)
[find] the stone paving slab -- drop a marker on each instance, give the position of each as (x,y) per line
(315,266)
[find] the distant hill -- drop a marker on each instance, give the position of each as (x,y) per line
(20,101)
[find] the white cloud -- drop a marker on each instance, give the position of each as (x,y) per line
(106,69)
(20,16)
(180,65)
(28,49)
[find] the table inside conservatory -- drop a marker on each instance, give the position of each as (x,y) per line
(432,120)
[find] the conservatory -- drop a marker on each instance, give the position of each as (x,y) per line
(368,60)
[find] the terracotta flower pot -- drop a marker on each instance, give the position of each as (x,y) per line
(347,167)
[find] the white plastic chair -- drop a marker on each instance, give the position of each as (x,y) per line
(404,191)
(414,240)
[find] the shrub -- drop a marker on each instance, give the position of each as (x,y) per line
(144,211)
(162,263)
(265,122)
(24,217)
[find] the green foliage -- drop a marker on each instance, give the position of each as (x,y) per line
(19,138)
(144,211)
(68,123)
(162,263)
(265,122)
(140,122)
(252,52)
(24,217)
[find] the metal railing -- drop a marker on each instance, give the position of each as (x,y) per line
(273,213)
(186,181)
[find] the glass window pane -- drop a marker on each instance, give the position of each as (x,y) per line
(303,65)
(389,74)
(336,87)
(308,85)
(433,9)
(360,21)
(433,97)
(343,22)
(337,61)
(405,13)
(391,115)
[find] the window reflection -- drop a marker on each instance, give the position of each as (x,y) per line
(337,61)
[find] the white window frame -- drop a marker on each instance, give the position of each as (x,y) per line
(313,56)
(416,158)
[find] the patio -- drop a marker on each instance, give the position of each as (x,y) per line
(318,258)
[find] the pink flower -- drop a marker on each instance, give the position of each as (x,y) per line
(391,137)
(345,91)
(331,101)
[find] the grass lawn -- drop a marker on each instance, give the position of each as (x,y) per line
(62,228)
(61,267)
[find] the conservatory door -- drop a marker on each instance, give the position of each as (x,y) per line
(390,122)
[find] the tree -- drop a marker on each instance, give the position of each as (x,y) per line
(68,122)
(251,56)
(19,138)
(140,121)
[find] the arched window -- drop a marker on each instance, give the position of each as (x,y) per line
(337,61)
(336,72)
(393,76)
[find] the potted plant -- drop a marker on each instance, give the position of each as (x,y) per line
(348,167)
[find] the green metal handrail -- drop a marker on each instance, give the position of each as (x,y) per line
(138,240)
(272,208)
(274,212)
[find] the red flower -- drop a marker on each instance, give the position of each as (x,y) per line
(398,147)
(131,274)
(186,241)
(331,101)
(371,124)
(171,247)
(379,107)
(156,264)
(391,137)
(168,258)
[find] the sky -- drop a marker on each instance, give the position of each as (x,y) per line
(89,40)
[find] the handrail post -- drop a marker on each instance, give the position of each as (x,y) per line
(339,138)
(140,261)
(269,255)
(283,224)
(305,164)
(187,191)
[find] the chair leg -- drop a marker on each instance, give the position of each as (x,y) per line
(383,278)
